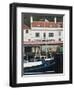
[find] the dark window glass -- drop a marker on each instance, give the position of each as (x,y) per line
(59,39)
(51,34)
(37,34)
(44,35)
(27,31)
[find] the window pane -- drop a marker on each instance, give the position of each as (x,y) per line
(59,39)
(26,31)
(51,34)
(37,34)
(44,35)
(59,33)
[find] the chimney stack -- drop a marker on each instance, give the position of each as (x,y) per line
(55,19)
(31,20)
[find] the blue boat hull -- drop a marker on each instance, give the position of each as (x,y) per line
(45,66)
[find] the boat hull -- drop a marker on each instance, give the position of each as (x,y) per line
(44,67)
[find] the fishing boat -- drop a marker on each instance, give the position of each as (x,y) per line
(41,66)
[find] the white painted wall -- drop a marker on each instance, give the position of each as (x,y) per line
(32,34)
(27,36)
(4,44)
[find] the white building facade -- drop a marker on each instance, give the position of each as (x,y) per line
(43,36)
(44,30)
(52,34)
